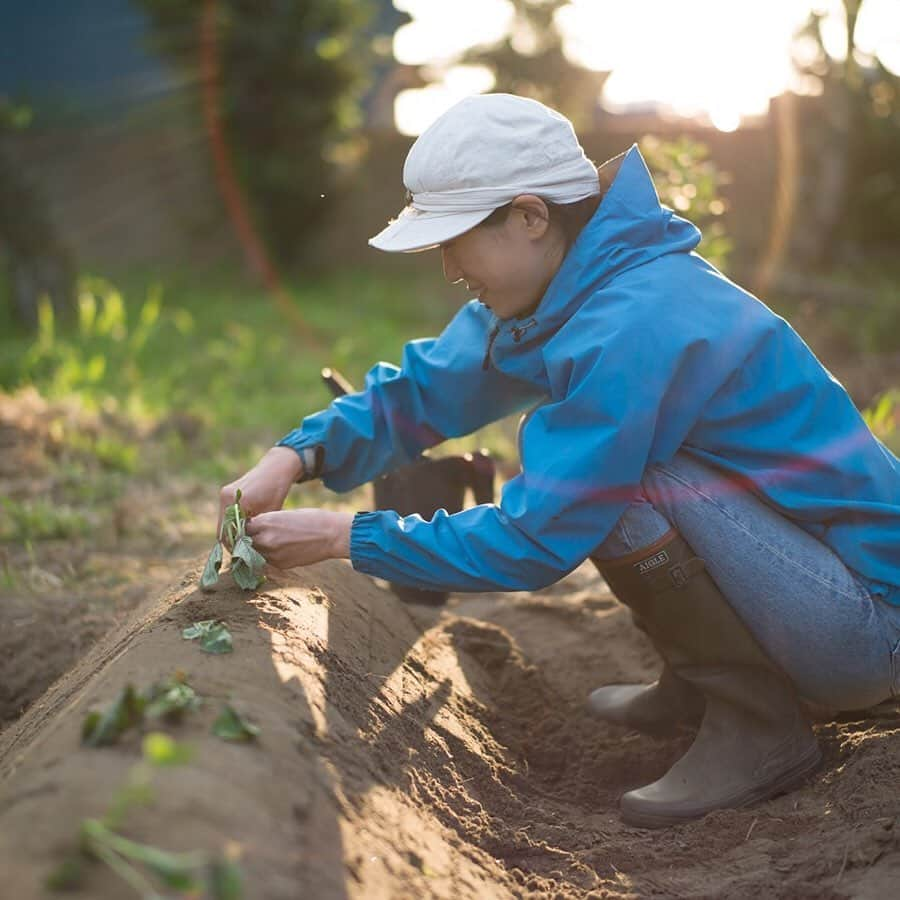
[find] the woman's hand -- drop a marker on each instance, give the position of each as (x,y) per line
(265,486)
(301,537)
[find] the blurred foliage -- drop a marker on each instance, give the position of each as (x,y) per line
(39,519)
(290,73)
(852,147)
(14,116)
(689,182)
(873,326)
(104,355)
(530,61)
(883,417)
(872,210)
(217,385)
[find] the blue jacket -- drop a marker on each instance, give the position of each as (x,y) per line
(639,348)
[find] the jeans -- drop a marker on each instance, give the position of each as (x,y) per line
(838,644)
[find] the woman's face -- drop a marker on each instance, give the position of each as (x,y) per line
(507,266)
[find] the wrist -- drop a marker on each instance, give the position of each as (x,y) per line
(342,524)
(288,461)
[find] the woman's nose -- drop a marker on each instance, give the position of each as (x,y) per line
(452,272)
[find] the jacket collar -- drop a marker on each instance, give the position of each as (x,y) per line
(630,228)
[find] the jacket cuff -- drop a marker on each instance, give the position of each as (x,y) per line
(312,456)
(365,551)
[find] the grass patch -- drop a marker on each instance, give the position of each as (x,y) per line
(39,520)
(212,368)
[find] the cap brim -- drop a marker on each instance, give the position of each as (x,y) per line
(415,229)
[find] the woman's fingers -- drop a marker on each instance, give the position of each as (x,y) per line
(265,486)
(255,525)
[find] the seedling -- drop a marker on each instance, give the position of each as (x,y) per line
(214,636)
(143,866)
(126,711)
(168,699)
(232,726)
(246,563)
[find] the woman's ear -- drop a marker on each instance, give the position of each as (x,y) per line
(534,215)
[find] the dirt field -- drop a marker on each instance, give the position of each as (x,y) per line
(405,752)
(412,753)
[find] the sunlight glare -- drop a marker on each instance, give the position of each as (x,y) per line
(725,119)
(878,32)
(440,32)
(415,110)
(717,61)
(833,28)
(700,57)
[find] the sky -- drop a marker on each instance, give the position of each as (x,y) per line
(717,60)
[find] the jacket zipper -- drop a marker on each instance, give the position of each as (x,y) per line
(486,362)
(519,330)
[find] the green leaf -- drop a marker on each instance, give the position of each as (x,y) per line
(243,550)
(244,577)
(214,636)
(105,727)
(247,564)
(90,724)
(176,870)
(171,869)
(170,699)
(68,875)
(161,750)
(232,726)
(197,629)
(211,571)
(224,880)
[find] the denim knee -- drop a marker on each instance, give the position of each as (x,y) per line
(639,526)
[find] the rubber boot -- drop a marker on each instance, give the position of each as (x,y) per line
(658,709)
(753,741)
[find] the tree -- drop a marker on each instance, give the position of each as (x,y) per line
(855,146)
(288,77)
(530,61)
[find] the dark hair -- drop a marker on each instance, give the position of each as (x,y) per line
(572,217)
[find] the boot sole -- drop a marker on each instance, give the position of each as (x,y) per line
(786,781)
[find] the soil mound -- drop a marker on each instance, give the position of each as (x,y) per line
(408,752)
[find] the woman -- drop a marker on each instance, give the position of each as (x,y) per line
(681,435)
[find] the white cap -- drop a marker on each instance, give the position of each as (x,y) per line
(480,155)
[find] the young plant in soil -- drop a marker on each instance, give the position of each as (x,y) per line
(143,866)
(169,700)
(246,563)
(213,636)
(230,725)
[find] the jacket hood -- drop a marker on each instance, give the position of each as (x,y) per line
(629,229)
